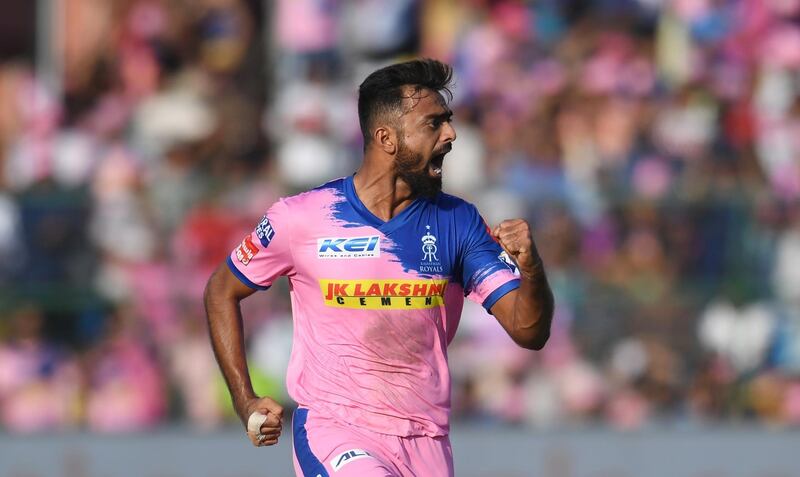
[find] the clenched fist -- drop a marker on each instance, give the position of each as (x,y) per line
(264,421)
(515,237)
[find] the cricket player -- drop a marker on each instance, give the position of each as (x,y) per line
(379,264)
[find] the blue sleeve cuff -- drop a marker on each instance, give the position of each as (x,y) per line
(243,278)
(506,287)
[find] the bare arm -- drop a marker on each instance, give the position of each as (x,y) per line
(222,296)
(527,312)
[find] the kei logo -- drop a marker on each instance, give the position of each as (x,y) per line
(346,457)
(349,247)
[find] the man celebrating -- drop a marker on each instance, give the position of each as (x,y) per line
(379,264)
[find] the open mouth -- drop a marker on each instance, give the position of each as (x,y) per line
(435,165)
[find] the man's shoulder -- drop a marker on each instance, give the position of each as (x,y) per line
(311,198)
(453,204)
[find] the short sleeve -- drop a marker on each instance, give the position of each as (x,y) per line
(264,254)
(487,271)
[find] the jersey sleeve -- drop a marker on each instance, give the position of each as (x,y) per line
(265,254)
(487,271)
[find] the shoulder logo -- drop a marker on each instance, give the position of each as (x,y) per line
(430,261)
(349,247)
(346,457)
(264,231)
(506,259)
(246,251)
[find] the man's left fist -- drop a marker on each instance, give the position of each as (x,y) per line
(515,237)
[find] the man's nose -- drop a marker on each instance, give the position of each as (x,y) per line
(448,132)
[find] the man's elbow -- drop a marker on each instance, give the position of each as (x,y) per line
(535,343)
(208,292)
(538,339)
(541,341)
(214,290)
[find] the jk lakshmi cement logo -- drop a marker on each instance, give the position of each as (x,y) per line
(383,294)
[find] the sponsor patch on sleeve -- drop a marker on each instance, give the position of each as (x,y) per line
(509,262)
(246,251)
(265,231)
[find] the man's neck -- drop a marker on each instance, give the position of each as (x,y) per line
(381,191)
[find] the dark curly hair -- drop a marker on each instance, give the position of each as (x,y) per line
(381,94)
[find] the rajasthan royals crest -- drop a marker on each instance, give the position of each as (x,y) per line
(430,261)
(429,246)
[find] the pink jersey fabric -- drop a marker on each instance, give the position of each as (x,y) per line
(370,329)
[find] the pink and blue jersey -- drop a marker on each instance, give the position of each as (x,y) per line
(375,303)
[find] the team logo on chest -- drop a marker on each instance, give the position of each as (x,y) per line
(430,260)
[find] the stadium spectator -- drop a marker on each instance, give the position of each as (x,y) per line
(653,146)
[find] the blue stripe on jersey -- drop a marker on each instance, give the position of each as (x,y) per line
(309,464)
(243,278)
(490,300)
(340,208)
(443,236)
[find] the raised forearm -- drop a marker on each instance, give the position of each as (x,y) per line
(527,312)
(533,308)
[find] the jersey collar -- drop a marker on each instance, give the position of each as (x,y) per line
(370,218)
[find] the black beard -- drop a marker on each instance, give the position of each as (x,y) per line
(420,181)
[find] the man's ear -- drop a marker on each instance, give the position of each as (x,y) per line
(386,139)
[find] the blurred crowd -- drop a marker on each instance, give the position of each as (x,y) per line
(653,144)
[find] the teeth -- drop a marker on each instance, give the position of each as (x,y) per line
(437,170)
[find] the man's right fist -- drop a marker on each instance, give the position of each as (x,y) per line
(264,421)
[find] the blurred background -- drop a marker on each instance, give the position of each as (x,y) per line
(654,145)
